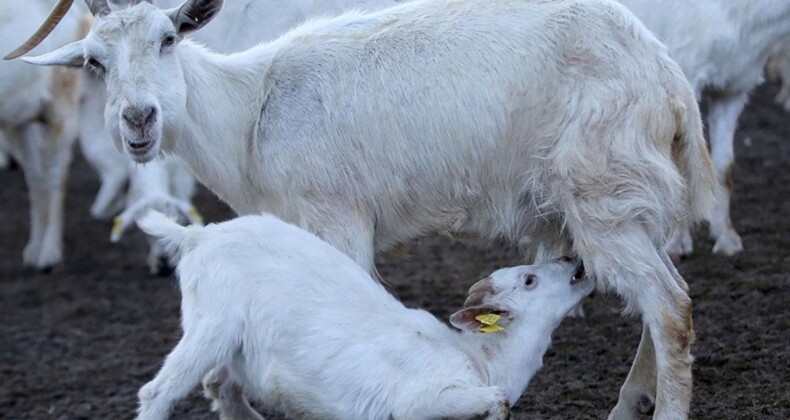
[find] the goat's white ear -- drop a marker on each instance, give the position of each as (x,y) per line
(70,55)
(194,14)
(469,319)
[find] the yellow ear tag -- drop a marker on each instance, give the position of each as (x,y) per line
(116,227)
(489,321)
(195,215)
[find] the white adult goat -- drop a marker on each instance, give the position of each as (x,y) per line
(562,122)
(258,293)
(38,125)
(722,47)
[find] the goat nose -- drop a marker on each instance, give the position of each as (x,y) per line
(478,291)
(139,117)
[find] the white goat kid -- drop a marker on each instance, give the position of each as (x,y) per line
(722,47)
(346,348)
(38,121)
(565,122)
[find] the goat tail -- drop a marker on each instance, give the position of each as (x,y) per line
(690,152)
(176,239)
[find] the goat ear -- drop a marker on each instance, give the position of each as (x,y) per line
(469,319)
(70,55)
(194,14)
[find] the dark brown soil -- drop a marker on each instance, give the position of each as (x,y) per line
(80,341)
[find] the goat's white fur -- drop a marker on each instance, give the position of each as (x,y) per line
(564,122)
(722,47)
(305,329)
(38,120)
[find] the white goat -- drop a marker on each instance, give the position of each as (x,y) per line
(722,47)
(564,122)
(38,125)
(305,329)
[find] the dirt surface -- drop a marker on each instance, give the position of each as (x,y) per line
(80,341)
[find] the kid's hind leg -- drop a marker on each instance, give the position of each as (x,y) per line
(203,347)
(456,402)
(227,397)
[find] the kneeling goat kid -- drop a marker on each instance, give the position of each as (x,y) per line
(304,329)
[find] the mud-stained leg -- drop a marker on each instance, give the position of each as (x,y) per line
(638,393)
(632,264)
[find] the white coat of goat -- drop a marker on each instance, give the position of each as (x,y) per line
(722,47)
(38,124)
(564,124)
(305,329)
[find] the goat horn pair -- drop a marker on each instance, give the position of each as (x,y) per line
(97,8)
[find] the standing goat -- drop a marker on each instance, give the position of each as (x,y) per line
(562,124)
(38,125)
(722,47)
(295,320)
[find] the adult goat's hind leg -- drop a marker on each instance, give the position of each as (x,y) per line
(628,261)
(638,393)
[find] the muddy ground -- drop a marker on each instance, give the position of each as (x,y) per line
(79,342)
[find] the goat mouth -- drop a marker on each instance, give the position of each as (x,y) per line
(140,149)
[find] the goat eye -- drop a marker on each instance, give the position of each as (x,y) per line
(95,65)
(168,41)
(530,281)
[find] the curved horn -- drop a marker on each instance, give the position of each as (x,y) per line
(54,17)
(98,7)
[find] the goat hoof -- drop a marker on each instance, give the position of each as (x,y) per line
(645,405)
(728,244)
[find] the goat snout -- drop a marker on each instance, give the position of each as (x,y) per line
(478,291)
(139,119)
